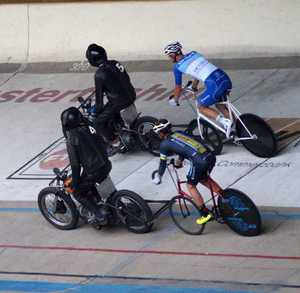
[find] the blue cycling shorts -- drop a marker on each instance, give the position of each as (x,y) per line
(217,84)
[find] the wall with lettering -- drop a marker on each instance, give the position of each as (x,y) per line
(140,29)
(155,92)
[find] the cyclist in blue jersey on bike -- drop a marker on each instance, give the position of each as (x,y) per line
(201,159)
(216,82)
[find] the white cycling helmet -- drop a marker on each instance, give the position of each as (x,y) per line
(163,124)
(172,48)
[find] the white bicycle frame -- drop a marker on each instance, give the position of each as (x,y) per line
(233,113)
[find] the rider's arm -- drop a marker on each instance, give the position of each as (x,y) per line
(164,150)
(162,165)
(178,83)
(177,92)
(99,91)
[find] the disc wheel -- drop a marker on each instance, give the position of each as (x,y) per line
(58,208)
(184,213)
(210,134)
(264,143)
(239,213)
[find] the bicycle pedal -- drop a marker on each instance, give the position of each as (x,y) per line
(237,143)
(97,226)
(228,139)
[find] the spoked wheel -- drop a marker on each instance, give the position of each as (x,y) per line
(133,211)
(184,213)
(210,134)
(264,143)
(58,208)
(239,212)
(148,138)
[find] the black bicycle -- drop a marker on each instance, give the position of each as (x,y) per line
(123,207)
(132,129)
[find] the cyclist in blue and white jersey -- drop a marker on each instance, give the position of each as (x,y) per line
(216,82)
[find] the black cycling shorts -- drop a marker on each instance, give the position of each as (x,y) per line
(200,168)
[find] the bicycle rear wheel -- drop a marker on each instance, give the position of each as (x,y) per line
(210,134)
(149,140)
(265,144)
(184,213)
(132,210)
(239,212)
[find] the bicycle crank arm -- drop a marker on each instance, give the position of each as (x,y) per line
(253,137)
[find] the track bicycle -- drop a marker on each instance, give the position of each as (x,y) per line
(230,206)
(250,130)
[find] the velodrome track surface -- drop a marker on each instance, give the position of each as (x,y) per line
(166,259)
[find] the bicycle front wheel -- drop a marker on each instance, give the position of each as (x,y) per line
(58,208)
(239,212)
(210,134)
(184,213)
(264,143)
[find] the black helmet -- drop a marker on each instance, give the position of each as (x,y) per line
(70,118)
(95,54)
(163,125)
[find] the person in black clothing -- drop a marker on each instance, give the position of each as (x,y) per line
(112,80)
(87,156)
(201,159)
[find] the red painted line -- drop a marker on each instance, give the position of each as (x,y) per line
(145,251)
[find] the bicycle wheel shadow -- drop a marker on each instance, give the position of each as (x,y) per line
(286,130)
(276,221)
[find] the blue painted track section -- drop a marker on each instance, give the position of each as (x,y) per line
(265,215)
(32,286)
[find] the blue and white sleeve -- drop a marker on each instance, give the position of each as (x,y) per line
(177,75)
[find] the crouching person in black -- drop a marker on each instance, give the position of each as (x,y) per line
(88,159)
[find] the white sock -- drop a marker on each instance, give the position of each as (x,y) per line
(220,117)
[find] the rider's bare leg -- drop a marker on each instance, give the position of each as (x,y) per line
(208,112)
(215,114)
(195,194)
(223,109)
(211,184)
